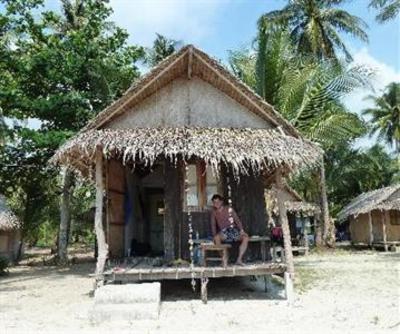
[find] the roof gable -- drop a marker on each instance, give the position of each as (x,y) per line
(191,103)
(191,62)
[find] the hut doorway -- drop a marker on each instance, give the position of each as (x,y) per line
(144,217)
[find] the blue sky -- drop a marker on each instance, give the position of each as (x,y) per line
(220,25)
(217,26)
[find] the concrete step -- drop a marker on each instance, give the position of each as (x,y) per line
(129,293)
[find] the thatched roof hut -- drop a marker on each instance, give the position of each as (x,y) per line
(10,236)
(239,141)
(383,199)
(8,220)
(374,216)
(186,130)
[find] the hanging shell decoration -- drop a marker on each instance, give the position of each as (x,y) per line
(190,226)
(230,209)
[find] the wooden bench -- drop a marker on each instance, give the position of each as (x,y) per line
(222,251)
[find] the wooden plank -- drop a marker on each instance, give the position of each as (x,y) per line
(143,274)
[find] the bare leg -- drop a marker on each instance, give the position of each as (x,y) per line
(217,239)
(242,248)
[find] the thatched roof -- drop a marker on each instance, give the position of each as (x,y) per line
(243,149)
(296,205)
(387,198)
(190,61)
(305,208)
(8,221)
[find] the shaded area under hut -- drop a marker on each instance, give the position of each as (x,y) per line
(374,218)
(304,217)
(185,131)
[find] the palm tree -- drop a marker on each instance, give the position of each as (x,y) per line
(308,94)
(386,115)
(162,48)
(389,9)
(314,26)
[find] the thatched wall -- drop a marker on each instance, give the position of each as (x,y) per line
(186,102)
(359,228)
(115,221)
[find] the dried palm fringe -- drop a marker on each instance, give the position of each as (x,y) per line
(244,150)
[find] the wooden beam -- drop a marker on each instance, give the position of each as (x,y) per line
(384,233)
(283,219)
(98,220)
(190,63)
(371,233)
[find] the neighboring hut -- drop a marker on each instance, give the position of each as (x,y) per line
(10,235)
(186,130)
(303,217)
(374,217)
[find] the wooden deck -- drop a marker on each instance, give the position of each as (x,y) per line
(136,274)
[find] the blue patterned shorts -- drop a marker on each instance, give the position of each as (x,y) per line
(230,234)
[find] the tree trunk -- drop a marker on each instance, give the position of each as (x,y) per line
(283,219)
(327,223)
(98,220)
(65,215)
(317,230)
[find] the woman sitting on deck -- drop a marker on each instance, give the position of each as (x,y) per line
(228,225)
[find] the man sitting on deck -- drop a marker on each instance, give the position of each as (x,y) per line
(226,227)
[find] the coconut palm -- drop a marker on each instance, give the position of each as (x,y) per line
(162,48)
(314,26)
(386,115)
(308,94)
(389,9)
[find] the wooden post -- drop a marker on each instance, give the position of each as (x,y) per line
(384,222)
(305,234)
(371,233)
(98,220)
(204,282)
(287,243)
(65,215)
(317,230)
(328,238)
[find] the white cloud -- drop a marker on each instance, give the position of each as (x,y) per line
(190,21)
(383,75)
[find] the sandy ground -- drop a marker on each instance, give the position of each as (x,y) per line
(343,292)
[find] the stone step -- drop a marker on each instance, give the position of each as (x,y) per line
(129,293)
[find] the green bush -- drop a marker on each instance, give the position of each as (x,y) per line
(3,265)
